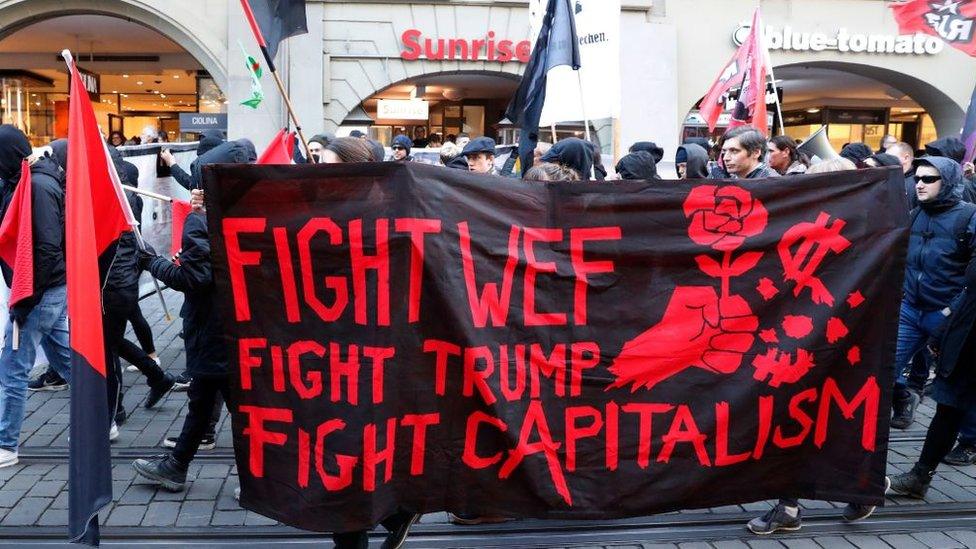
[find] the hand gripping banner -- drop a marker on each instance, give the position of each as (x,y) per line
(409,336)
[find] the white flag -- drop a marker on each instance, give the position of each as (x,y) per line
(598,29)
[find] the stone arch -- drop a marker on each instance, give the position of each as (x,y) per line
(354,81)
(945,112)
(17,15)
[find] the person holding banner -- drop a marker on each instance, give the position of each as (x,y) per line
(41,316)
(209,140)
(742,155)
(573,153)
(480,155)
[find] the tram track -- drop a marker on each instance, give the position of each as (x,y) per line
(669,528)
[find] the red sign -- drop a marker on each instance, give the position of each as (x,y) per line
(478,49)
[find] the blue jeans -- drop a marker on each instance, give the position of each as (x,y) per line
(914,329)
(47,325)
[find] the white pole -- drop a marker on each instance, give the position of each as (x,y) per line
(772,76)
(586,122)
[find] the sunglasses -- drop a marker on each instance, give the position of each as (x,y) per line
(928,179)
(399,148)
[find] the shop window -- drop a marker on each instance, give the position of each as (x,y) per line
(927,133)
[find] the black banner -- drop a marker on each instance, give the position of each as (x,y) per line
(409,336)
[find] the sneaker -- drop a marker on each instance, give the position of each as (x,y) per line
(774,520)
(913,484)
(398,535)
(237,493)
(131,368)
(182,382)
(904,411)
(855,512)
(471,520)
(208,442)
(963,454)
(8,457)
(163,470)
(158,392)
(113,432)
(48,381)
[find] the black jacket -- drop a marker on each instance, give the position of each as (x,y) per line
(936,263)
(123,275)
(209,140)
(573,153)
(762,171)
(697,164)
(232,152)
(206,354)
(48,222)
(638,166)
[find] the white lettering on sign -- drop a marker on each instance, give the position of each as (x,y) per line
(787,39)
(89,81)
(397,109)
(204,120)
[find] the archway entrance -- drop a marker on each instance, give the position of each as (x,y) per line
(443,105)
(857,103)
(139,79)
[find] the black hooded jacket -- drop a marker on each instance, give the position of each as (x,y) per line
(47,210)
(573,153)
(209,140)
(638,166)
(123,275)
(935,264)
(206,353)
(856,153)
(650,147)
(954,149)
(697,163)
(232,152)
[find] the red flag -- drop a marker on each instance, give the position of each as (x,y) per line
(17,239)
(280,150)
(751,106)
(954,21)
(749,59)
(96,214)
(181,209)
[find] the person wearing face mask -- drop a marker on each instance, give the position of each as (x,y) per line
(42,317)
(317,144)
(573,153)
(638,166)
(691,161)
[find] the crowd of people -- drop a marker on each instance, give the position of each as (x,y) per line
(936,324)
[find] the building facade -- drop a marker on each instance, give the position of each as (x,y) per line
(450,66)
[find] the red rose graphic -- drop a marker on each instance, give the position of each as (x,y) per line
(723,217)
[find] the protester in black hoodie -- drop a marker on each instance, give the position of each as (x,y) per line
(120,302)
(954,149)
(638,166)
(573,153)
(856,153)
(209,140)
(43,316)
(650,147)
(691,161)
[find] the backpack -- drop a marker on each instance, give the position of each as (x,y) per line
(961,231)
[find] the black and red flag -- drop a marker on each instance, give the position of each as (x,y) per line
(954,21)
(17,239)
(747,68)
(272,21)
(96,215)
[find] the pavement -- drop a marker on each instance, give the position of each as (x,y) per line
(34,497)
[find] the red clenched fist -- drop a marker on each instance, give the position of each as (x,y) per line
(699,330)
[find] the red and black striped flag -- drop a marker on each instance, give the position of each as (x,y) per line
(17,239)
(96,214)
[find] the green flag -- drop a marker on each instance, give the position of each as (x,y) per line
(255,70)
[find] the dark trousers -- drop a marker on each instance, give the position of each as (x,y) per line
(142,330)
(360,538)
(203,393)
(941,435)
(214,418)
(119,306)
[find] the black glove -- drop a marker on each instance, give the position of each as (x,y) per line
(145,257)
(19,312)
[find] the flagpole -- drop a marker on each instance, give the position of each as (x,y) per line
(69,59)
(772,75)
(148,194)
(274,73)
(586,122)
